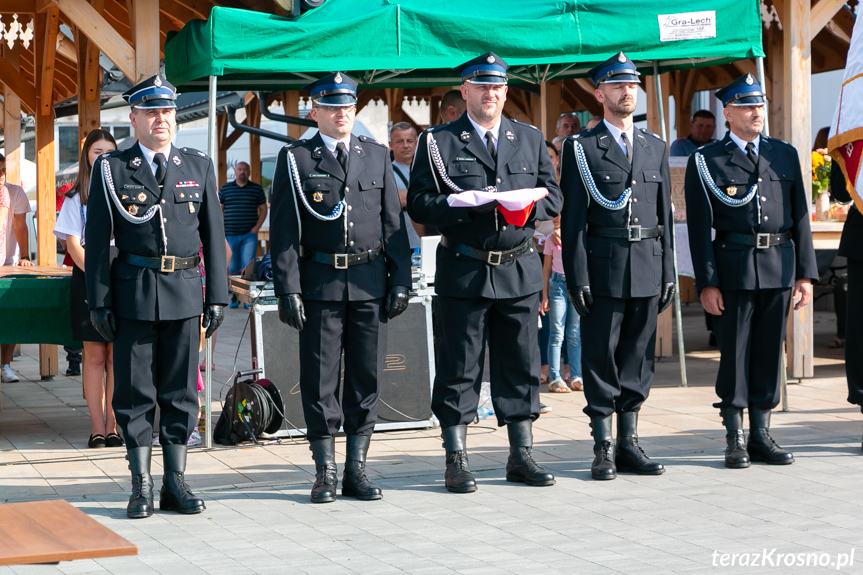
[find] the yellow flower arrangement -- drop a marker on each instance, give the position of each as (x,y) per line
(820,173)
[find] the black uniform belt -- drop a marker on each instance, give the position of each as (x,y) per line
(760,241)
(494,258)
(161,263)
(632,233)
(341,261)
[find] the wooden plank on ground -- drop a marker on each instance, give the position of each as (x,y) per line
(51,531)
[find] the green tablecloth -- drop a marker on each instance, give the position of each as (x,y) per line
(35,310)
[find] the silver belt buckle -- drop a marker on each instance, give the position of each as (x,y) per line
(167,263)
(494,258)
(762,241)
(634,233)
(343,266)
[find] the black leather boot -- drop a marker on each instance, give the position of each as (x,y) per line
(761,446)
(459,479)
(736,456)
(175,494)
(141,501)
(603,466)
(326,482)
(520,467)
(355,482)
(629,456)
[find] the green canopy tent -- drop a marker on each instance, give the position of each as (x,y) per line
(409,43)
(391,43)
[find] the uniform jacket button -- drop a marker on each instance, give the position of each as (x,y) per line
(634,200)
(163,201)
(350,208)
(350,243)
(498,180)
(635,220)
(503,228)
(763,198)
(347,189)
(766,218)
(350,224)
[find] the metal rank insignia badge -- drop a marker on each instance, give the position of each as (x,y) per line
(133,210)
(465,137)
(510,136)
(136,162)
(176,160)
(318,197)
(732,191)
(317,154)
(142,197)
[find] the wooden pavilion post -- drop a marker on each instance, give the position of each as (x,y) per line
(12,120)
(291,103)
(796,27)
(253,118)
(550,101)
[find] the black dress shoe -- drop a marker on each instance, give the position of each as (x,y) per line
(355,483)
(74,368)
(114,440)
(521,468)
(97,440)
(175,495)
(458,477)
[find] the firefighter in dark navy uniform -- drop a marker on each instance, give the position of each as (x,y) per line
(160,204)
(618,258)
(749,189)
(341,267)
(488,277)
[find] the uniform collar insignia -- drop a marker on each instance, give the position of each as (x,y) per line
(317,153)
(136,162)
(465,136)
(359,150)
(176,160)
(510,136)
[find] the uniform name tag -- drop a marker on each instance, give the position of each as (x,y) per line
(132,187)
(319,175)
(465,159)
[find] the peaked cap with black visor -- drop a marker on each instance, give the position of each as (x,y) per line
(337,89)
(486,69)
(615,70)
(154,92)
(744,91)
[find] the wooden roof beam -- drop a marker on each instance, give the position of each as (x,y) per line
(16,82)
(97,29)
(200,7)
(821,14)
(49,57)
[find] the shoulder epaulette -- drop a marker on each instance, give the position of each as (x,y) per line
(370,140)
(646,131)
(525,124)
(192,152)
(294,144)
(112,154)
(707,145)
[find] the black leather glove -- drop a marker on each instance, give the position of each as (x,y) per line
(102,319)
(291,311)
(397,301)
(666,296)
(581,299)
(213,316)
(485,208)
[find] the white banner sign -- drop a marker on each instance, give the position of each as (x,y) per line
(687,26)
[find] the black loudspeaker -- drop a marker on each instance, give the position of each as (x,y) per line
(407,376)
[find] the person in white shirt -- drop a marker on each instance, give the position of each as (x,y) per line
(17,254)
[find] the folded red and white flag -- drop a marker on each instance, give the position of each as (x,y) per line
(515,205)
(846,131)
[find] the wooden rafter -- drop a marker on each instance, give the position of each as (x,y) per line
(95,27)
(822,12)
(200,7)
(49,57)
(16,82)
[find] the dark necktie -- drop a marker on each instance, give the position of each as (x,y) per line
(489,142)
(159,160)
(750,153)
(342,156)
(626,148)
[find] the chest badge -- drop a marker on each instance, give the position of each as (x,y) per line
(464,137)
(318,197)
(732,191)
(133,210)
(191,208)
(142,197)
(136,162)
